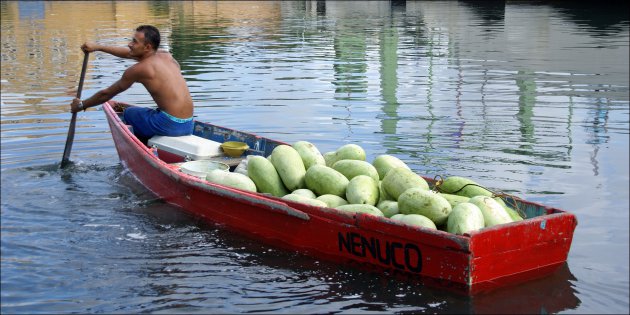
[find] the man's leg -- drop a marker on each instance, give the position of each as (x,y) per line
(138,118)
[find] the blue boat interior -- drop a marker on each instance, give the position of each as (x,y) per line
(257,145)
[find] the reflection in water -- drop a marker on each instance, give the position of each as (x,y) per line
(320,7)
(388,52)
(32,10)
(459,113)
(159,8)
(553,294)
(214,24)
(350,62)
(492,14)
(598,132)
(386,292)
(599,20)
(526,102)
(522,95)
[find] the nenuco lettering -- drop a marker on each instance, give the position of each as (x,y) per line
(399,255)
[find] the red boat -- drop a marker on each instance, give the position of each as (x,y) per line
(472,263)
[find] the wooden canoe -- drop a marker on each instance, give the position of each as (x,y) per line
(471,263)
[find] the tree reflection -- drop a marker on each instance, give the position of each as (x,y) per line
(388,49)
(350,64)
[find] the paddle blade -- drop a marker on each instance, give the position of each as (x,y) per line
(69,141)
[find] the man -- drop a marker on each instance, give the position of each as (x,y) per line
(160,74)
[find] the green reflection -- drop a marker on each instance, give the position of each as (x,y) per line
(526,102)
(389,80)
(196,42)
(160,8)
(350,62)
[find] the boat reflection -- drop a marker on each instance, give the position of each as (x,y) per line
(553,293)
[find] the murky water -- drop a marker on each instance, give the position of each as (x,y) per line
(525,97)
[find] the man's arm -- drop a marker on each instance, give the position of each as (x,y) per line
(120,52)
(106,94)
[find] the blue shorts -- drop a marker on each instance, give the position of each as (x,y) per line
(148,122)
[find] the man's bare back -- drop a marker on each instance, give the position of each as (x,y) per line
(161,76)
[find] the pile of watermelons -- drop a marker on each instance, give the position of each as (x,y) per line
(387,187)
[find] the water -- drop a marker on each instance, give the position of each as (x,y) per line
(530,98)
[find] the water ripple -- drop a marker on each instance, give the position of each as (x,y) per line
(527,99)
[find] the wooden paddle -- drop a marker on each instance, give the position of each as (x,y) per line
(73,121)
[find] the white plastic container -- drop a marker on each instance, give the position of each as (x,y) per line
(242,166)
(201,168)
(190,148)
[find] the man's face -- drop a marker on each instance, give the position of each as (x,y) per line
(137,44)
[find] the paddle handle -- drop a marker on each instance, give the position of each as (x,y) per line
(73,120)
(82,78)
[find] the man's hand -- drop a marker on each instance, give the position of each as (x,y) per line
(89,47)
(75,106)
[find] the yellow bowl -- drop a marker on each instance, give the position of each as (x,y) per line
(234,148)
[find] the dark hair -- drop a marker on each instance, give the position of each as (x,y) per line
(151,35)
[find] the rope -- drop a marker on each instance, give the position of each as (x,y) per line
(514,205)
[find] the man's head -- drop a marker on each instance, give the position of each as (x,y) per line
(151,35)
(145,41)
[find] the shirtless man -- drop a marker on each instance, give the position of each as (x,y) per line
(160,74)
